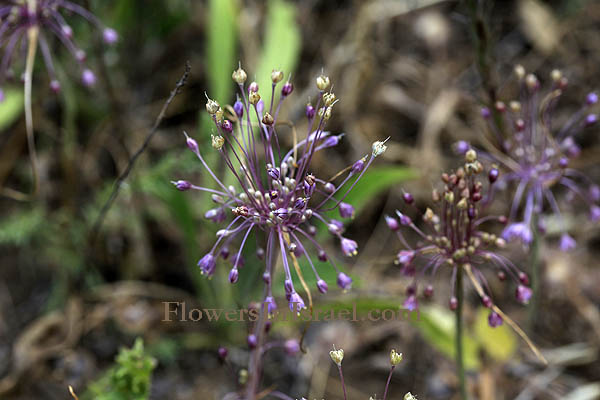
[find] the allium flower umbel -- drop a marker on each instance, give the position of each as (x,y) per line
(452,237)
(277,193)
(19,18)
(536,153)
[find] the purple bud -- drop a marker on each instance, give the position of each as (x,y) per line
(322,255)
(523,278)
(411,289)
(595,213)
(252,341)
(405,257)
(486,301)
(287,89)
(191,143)
(222,352)
(224,253)
(591,98)
(310,112)
(485,112)
(567,243)
(54,86)
(392,223)
(271,305)
(404,219)
(296,301)
(309,189)
(322,286)
(344,281)
(238,107)
(292,347)
(358,166)
(519,231)
(253,87)
(2,97)
(493,175)
(267,278)
(260,253)
(408,198)
(346,210)
(207,264)
(329,187)
(471,212)
(67,31)
(227,126)
(502,275)
(461,147)
(312,230)
(494,319)
(453,304)
(260,106)
(80,55)
(182,185)
(410,303)
(349,247)
(335,227)
(428,292)
(273,173)
(233,275)
(88,78)
(591,119)
(110,36)
(282,213)
(563,162)
(523,294)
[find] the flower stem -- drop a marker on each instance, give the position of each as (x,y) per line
(459,334)
(534,262)
(387,385)
(343,384)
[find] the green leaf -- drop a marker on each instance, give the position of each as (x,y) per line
(499,342)
(438,328)
(282,43)
(375,181)
(21,226)
(222,41)
(11,108)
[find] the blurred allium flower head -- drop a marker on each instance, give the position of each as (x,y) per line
(276,192)
(44,17)
(452,236)
(536,154)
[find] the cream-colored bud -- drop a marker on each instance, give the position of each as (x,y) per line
(268,119)
(212,106)
(379,148)
(471,155)
(409,396)
(531,81)
(219,115)
(254,98)
(243,377)
(239,75)
(329,99)
(462,204)
(519,71)
(276,76)
(515,106)
(217,141)
(395,358)
(556,75)
(449,197)
(337,356)
(323,82)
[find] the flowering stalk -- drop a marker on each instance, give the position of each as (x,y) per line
(458,343)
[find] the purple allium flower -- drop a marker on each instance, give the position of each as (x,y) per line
(533,150)
(392,223)
(291,346)
(344,281)
(567,243)
(222,352)
(207,264)
(494,319)
(252,341)
(17,17)
(182,185)
(451,237)
(233,275)
(271,305)
(296,301)
(275,193)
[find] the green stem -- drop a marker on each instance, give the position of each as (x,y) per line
(459,334)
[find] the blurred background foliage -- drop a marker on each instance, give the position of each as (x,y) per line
(404,69)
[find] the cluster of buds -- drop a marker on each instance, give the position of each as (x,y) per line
(536,155)
(20,18)
(337,356)
(276,193)
(453,237)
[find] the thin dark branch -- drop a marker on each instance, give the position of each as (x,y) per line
(117,186)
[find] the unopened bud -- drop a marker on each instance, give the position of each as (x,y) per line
(471,155)
(337,356)
(323,82)
(395,358)
(239,75)
(268,119)
(217,141)
(276,76)
(254,97)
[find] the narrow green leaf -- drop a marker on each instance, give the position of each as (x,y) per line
(11,108)
(222,42)
(438,328)
(499,342)
(282,43)
(375,181)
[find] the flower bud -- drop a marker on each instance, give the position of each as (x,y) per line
(254,98)
(287,89)
(227,126)
(212,106)
(323,82)
(268,119)
(217,141)
(182,185)
(276,76)
(239,75)
(337,356)
(395,358)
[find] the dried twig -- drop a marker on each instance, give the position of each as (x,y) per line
(130,165)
